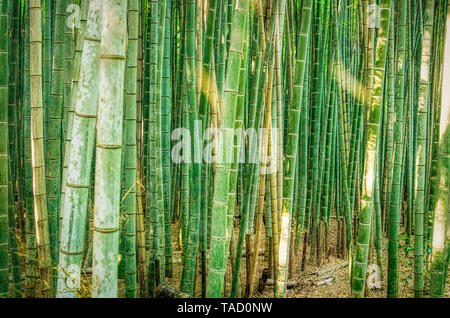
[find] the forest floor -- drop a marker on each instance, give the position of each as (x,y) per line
(329,280)
(334,271)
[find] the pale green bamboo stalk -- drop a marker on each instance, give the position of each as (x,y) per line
(109,149)
(73,95)
(75,202)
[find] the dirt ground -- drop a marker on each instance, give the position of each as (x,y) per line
(333,269)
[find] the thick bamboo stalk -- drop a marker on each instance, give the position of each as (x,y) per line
(421,151)
(395,202)
(31,270)
(291,151)
(37,149)
(218,247)
(4,82)
(108,149)
(129,202)
(376,60)
(75,201)
(441,232)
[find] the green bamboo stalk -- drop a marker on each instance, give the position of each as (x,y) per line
(158,170)
(208,90)
(31,273)
(376,60)
(421,152)
(129,202)
(395,204)
(73,95)
(316,128)
(12,242)
(251,167)
(75,202)
(390,111)
(218,247)
(69,50)
(291,150)
(150,75)
(53,113)
(303,219)
(188,275)
(237,148)
(108,149)
(47,67)
(14,94)
(441,220)
(37,149)
(279,103)
(432,172)
(4,159)
(53,126)
(166,100)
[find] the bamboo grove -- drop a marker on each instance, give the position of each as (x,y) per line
(332,117)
